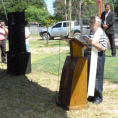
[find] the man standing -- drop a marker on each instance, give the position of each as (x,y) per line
(27,34)
(108,19)
(101,45)
(3,34)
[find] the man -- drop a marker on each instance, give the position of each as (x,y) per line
(108,19)
(101,45)
(3,34)
(27,34)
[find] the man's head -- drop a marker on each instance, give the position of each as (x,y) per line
(107,7)
(95,22)
(2,23)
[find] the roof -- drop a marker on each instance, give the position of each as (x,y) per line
(34,23)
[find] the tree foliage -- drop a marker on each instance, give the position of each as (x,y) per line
(88,8)
(114,6)
(36,10)
(34,14)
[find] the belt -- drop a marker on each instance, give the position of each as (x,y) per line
(2,40)
(89,52)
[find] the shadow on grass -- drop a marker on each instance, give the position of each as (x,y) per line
(22,98)
(108,56)
(49,39)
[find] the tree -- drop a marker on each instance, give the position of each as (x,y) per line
(116,7)
(60,8)
(34,14)
(7,6)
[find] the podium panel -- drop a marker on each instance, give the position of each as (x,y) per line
(73,85)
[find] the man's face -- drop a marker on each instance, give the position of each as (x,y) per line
(2,24)
(107,8)
(93,24)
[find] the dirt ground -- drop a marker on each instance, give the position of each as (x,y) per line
(107,109)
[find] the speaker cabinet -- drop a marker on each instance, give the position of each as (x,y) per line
(16,28)
(18,64)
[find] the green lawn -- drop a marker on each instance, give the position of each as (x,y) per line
(111,67)
(52,61)
(46,58)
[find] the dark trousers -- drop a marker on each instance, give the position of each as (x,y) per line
(99,74)
(3,50)
(112,43)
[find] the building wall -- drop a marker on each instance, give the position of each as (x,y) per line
(35,29)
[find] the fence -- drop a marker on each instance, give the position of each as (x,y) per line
(35,29)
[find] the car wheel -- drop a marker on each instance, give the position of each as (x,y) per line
(77,35)
(44,36)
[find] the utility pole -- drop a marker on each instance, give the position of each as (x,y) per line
(70,9)
(66,15)
(80,17)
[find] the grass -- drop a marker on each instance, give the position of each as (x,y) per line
(35,35)
(111,67)
(50,59)
(34,95)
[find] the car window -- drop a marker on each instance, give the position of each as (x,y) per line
(76,23)
(57,25)
(66,24)
(85,22)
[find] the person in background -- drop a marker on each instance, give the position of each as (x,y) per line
(108,19)
(27,34)
(101,45)
(3,34)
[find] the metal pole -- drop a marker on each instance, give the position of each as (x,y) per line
(80,19)
(66,15)
(69,17)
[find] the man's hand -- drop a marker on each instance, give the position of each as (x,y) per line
(88,41)
(105,27)
(2,25)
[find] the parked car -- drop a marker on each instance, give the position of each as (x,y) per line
(61,29)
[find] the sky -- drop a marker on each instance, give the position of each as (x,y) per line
(50,6)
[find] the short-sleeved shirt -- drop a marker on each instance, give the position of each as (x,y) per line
(103,39)
(2,34)
(27,32)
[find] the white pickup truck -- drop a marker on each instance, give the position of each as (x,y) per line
(61,29)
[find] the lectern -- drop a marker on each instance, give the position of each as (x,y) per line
(73,84)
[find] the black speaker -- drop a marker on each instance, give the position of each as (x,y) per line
(18,64)
(16,35)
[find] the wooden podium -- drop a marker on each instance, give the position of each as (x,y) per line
(73,84)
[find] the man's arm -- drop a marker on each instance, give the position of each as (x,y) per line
(112,19)
(27,33)
(102,19)
(27,36)
(95,44)
(5,29)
